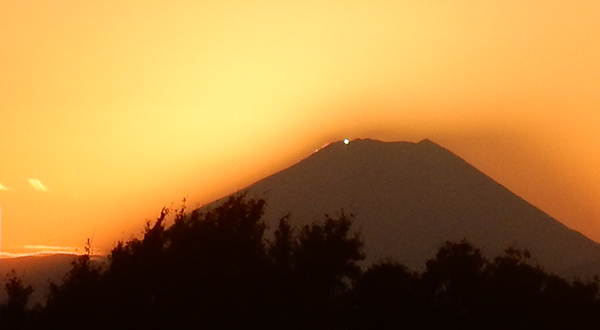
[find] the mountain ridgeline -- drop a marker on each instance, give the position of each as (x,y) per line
(408,198)
(278,261)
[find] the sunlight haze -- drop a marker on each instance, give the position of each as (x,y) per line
(110,110)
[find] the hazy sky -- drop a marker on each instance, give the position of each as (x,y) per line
(110,110)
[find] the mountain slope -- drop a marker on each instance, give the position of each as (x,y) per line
(408,198)
(37,271)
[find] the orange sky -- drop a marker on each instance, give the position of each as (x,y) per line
(111,109)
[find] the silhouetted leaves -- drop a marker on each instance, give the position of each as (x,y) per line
(13,314)
(454,281)
(218,270)
(388,293)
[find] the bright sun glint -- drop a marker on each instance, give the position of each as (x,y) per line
(346,141)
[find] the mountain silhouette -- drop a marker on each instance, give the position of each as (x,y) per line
(409,198)
(37,271)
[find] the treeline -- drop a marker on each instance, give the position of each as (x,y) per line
(219,270)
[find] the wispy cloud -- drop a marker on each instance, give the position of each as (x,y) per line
(47,250)
(50,247)
(2,187)
(8,255)
(41,250)
(37,185)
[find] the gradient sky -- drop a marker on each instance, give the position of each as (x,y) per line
(110,110)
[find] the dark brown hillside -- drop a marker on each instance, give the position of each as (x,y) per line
(408,198)
(37,271)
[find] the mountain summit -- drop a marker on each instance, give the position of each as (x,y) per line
(409,198)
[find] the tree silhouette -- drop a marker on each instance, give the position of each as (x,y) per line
(283,246)
(388,293)
(454,281)
(14,314)
(314,271)
(214,269)
(74,302)
(326,256)
(522,295)
(217,269)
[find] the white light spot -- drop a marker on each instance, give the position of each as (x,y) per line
(3,187)
(346,141)
(37,185)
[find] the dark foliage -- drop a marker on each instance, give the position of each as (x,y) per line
(388,293)
(218,270)
(460,289)
(454,283)
(13,314)
(212,270)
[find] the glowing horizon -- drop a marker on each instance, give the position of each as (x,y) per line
(111,110)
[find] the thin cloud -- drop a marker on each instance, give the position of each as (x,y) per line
(6,255)
(50,247)
(40,251)
(9,255)
(48,250)
(37,185)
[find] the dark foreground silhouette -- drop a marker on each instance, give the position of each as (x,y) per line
(220,270)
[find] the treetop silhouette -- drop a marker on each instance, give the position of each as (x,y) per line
(218,269)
